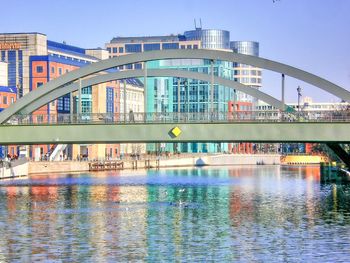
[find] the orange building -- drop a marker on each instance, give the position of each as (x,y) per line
(240,110)
(8,95)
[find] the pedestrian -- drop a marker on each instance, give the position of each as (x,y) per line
(131,116)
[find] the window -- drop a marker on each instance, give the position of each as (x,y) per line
(115,50)
(59,71)
(5,100)
(189,46)
(40,118)
(52,69)
(38,84)
(86,90)
(12,100)
(195,46)
(138,66)
(66,103)
(60,104)
(39,69)
(121,50)
(149,47)
(183,47)
(132,48)
(109,49)
(128,66)
(67,70)
(170,46)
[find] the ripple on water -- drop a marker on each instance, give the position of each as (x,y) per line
(247,214)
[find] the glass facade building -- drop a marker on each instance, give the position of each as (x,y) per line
(245,74)
(210,38)
(162,93)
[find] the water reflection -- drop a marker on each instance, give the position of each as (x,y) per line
(247,213)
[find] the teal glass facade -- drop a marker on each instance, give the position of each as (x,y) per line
(162,96)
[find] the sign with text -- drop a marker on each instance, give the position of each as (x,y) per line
(9,45)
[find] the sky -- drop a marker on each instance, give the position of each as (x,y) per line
(313,35)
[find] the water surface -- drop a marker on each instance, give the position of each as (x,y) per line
(226,214)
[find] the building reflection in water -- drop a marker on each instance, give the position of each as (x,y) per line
(204,214)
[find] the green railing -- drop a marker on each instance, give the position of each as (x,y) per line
(183,117)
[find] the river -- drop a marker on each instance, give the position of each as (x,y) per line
(223,214)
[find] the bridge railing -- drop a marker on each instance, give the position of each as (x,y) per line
(183,117)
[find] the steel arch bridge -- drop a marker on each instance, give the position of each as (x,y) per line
(65,84)
(331,132)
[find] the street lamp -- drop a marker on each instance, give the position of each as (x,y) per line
(299,96)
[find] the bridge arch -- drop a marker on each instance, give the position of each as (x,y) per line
(174,54)
(151,73)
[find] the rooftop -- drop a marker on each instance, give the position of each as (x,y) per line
(142,39)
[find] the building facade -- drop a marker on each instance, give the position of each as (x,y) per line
(32,60)
(131,109)
(246,74)
(182,95)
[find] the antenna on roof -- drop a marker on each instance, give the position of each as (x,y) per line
(195,26)
(200,22)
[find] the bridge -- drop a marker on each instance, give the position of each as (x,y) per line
(249,126)
(18,128)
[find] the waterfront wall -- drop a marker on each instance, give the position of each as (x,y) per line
(303,159)
(245,159)
(14,169)
(57,167)
(211,160)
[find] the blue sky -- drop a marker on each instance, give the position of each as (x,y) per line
(313,35)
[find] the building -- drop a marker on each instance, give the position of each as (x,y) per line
(131,107)
(246,74)
(307,109)
(32,60)
(162,93)
(8,95)
(240,110)
(3,73)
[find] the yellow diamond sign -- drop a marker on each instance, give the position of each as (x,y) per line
(176,131)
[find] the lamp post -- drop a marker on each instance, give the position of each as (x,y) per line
(299,96)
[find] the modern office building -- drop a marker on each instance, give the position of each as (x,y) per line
(162,93)
(32,60)
(210,38)
(8,95)
(246,74)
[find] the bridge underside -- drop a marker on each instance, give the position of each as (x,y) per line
(340,152)
(161,132)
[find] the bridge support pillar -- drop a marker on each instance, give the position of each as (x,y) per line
(340,152)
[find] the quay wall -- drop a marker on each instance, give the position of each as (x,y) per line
(14,169)
(211,160)
(57,167)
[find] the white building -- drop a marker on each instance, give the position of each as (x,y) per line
(132,100)
(3,74)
